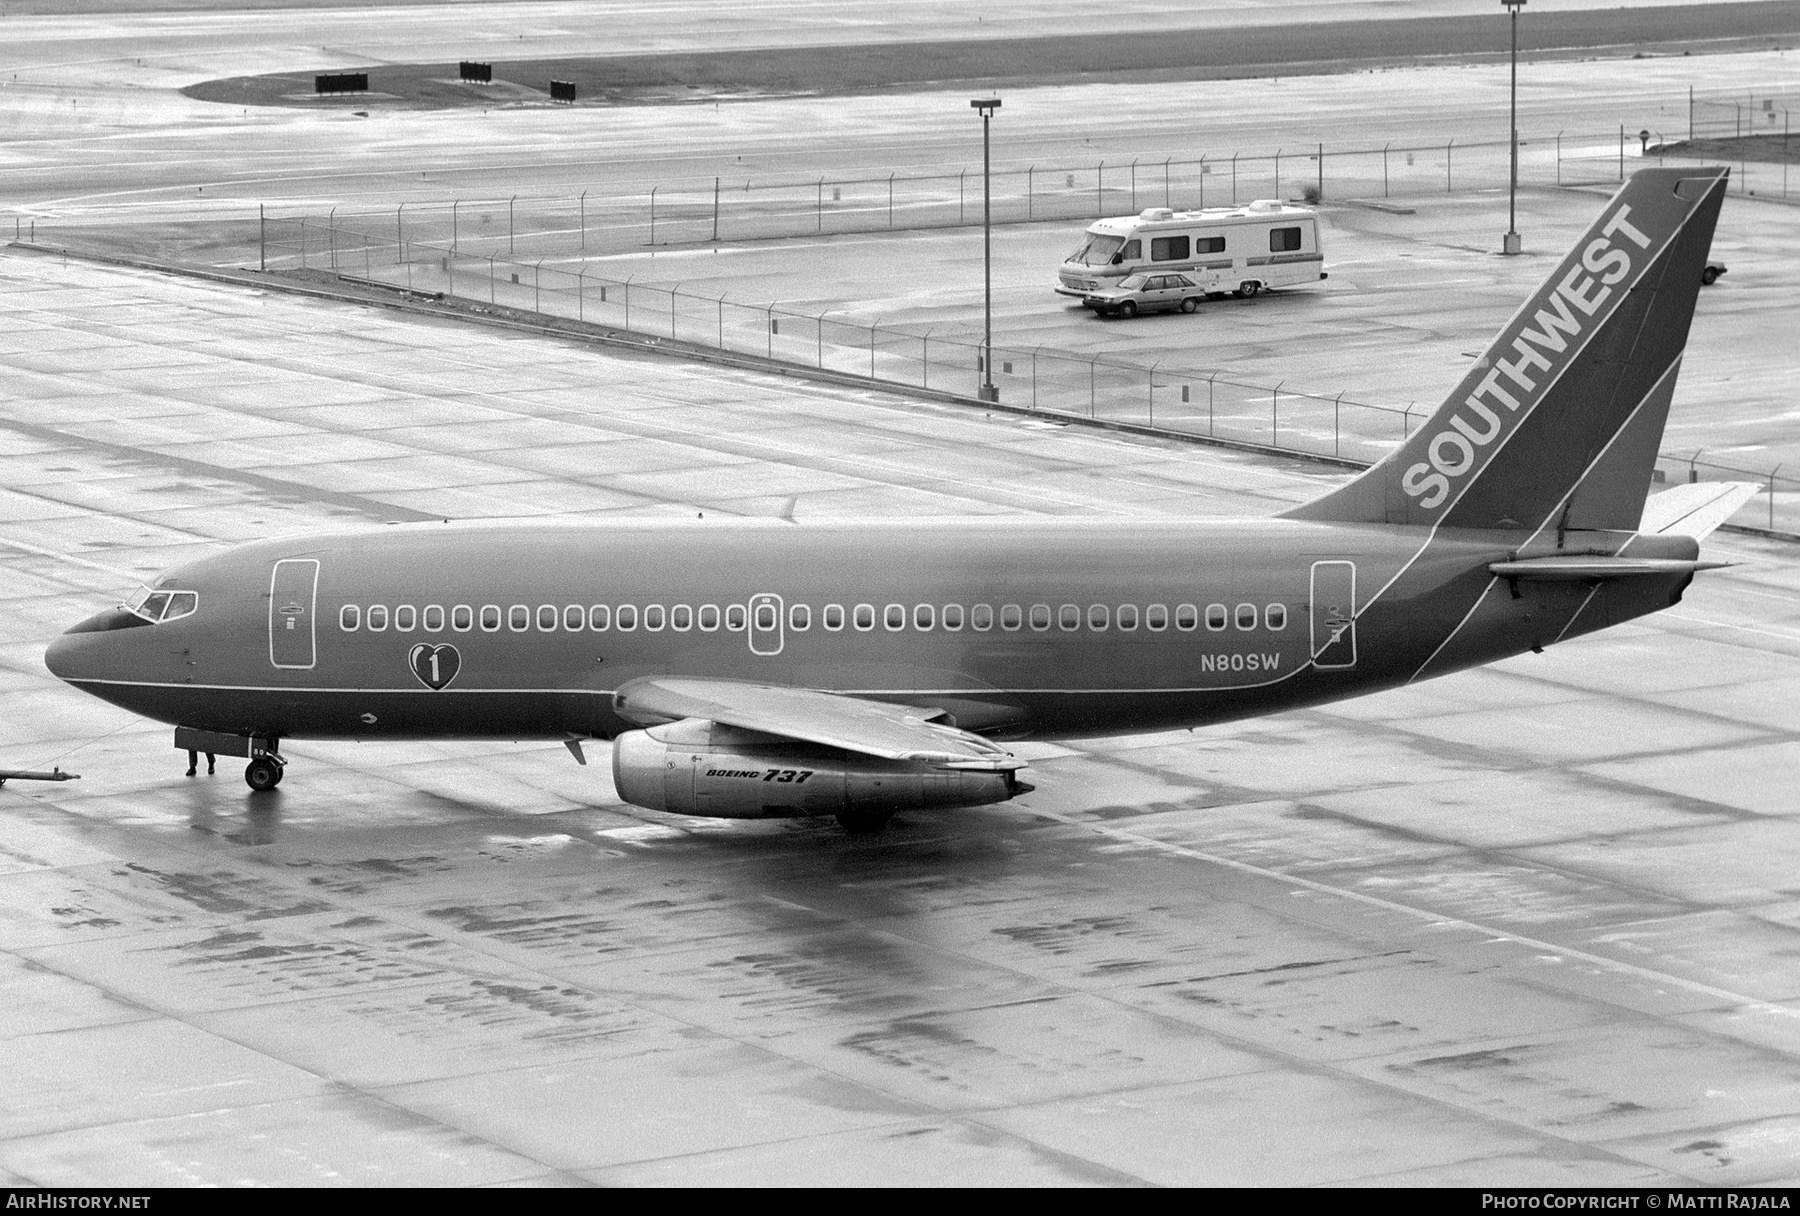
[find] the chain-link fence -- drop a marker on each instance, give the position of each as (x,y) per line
(694,211)
(1164,396)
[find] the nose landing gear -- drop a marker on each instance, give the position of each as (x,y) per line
(264,772)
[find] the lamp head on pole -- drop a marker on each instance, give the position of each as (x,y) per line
(987,105)
(1512,6)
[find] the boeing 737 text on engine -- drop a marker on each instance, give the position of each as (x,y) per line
(754,669)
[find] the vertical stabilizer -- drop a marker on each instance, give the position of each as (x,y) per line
(1563,414)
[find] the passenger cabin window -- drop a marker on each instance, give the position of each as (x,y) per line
(574,617)
(406,618)
(1187,616)
(518,618)
(1040,617)
(1246,616)
(1098,616)
(1209,244)
(924,616)
(799,617)
(349,618)
(653,617)
(626,617)
(1128,616)
(434,618)
(547,618)
(490,617)
(709,617)
(1215,616)
(894,616)
(1070,616)
(1011,617)
(600,618)
(765,617)
(1156,617)
(735,616)
(1168,249)
(462,618)
(981,617)
(1284,240)
(378,618)
(834,617)
(1275,616)
(681,618)
(865,617)
(953,616)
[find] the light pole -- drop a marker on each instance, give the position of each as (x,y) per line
(987,106)
(1512,243)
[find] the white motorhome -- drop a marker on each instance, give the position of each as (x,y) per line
(1266,243)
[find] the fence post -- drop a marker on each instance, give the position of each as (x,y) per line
(581,294)
(537,290)
(715,209)
(1166,201)
(583,221)
(331,235)
(455,248)
(1621,151)
(1772,473)
(400,232)
(653,215)
(1278,173)
(1203,181)
(1449,149)
(721,322)
(262,236)
(1275,415)
(1406,421)
(1209,401)
(627,293)
(769,331)
(1321,171)
(1134,185)
(819,209)
(925,358)
(1337,409)
(673,292)
(1029,172)
(1091,406)
(1034,355)
(890,200)
(872,330)
(493,273)
(1559,158)
(302,241)
(1100,190)
(509,224)
(1690,113)
(368,261)
(1151,411)
(1234,157)
(959,195)
(450,274)
(1384,168)
(819,340)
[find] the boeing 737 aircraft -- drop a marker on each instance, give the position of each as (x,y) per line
(764,668)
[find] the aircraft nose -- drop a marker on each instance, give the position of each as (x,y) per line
(64,656)
(75,655)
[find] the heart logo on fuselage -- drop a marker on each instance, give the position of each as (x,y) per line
(435,666)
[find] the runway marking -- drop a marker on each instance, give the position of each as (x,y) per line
(1434,918)
(116,571)
(1700,620)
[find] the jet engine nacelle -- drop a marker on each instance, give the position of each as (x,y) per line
(695,767)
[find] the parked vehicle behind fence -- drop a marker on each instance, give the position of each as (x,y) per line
(1245,249)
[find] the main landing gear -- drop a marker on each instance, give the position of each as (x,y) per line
(264,772)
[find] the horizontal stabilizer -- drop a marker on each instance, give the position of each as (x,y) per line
(1595,566)
(872,728)
(1695,509)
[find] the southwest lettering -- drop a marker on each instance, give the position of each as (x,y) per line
(1419,479)
(1528,357)
(1618,223)
(1455,440)
(1491,386)
(1492,419)
(1555,324)
(1579,295)
(1599,256)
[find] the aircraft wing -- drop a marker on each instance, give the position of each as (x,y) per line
(1695,509)
(873,728)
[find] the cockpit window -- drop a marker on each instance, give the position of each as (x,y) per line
(154,606)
